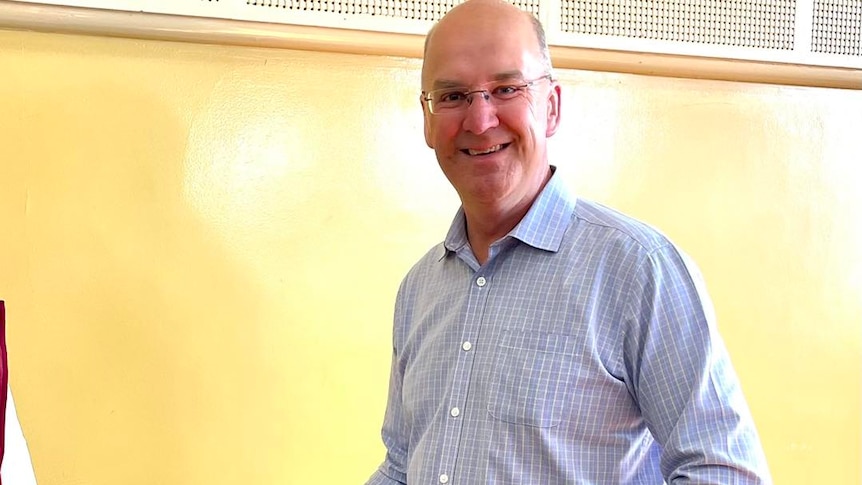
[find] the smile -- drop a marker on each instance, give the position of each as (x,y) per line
(487,151)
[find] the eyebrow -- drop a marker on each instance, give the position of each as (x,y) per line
(501,76)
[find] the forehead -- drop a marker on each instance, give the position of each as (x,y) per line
(472,50)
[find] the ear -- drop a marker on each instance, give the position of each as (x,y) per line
(553,110)
(427,115)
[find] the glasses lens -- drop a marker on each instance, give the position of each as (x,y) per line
(457,99)
(447,99)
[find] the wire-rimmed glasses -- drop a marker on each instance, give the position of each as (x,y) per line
(457,99)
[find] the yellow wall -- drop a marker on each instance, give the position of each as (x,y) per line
(200,248)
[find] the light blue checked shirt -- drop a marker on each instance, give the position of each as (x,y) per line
(583,352)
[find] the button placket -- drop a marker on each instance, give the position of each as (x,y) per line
(454,424)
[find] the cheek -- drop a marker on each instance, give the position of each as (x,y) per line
(443,134)
(522,125)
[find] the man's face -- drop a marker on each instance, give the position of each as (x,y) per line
(492,153)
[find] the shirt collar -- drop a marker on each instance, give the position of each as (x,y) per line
(542,227)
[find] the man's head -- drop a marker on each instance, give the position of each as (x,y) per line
(491,144)
(541,41)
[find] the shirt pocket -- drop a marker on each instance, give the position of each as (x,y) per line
(529,378)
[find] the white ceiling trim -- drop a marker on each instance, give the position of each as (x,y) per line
(233,23)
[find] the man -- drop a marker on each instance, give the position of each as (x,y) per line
(547,340)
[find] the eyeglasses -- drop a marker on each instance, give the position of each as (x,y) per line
(499,93)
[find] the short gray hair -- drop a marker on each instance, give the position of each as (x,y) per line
(543,44)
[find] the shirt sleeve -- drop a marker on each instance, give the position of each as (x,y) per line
(395,432)
(380,478)
(682,378)
(392,471)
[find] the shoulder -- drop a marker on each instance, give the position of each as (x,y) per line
(629,249)
(603,221)
(421,289)
(423,269)
(641,254)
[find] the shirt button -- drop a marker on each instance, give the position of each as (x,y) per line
(444,478)
(481,281)
(455,412)
(466,346)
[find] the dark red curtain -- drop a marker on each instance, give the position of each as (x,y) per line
(4,381)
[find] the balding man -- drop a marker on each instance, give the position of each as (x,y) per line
(548,340)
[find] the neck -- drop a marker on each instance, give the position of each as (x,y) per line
(485,227)
(489,222)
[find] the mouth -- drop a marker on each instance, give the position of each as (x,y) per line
(486,151)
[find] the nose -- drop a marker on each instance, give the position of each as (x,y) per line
(481,92)
(481,115)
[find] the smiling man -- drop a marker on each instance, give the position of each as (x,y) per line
(548,339)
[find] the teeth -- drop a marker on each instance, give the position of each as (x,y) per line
(485,152)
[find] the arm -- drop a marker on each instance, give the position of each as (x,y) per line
(392,471)
(683,380)
(395,432)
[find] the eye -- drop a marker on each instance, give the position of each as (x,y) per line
(507,90)
(450,96)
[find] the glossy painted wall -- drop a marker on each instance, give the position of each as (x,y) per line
(200,248)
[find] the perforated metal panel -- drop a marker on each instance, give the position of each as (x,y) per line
(414,10)
(767,24)
(795,32)
(527,5)
(404,9)
(837,27)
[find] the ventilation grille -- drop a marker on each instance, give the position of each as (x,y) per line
(402,9)
(762,24)
(412,10)
(837,27)
(796,32)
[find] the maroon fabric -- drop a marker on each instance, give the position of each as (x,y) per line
(4,381)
